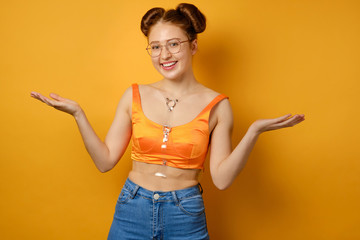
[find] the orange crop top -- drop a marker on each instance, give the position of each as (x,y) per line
(186,145)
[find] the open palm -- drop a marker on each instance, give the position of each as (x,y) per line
(263,125)
(59,103)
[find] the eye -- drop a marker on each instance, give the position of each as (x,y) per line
(155,47)
(173,44)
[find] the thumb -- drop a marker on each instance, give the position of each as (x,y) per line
(282,118)
(56,97)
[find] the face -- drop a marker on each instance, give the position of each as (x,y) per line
(172,66)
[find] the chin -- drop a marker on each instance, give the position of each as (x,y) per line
(171,75)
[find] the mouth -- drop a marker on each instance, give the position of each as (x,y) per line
(168,65)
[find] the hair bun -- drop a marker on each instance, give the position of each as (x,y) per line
(186,16)
(151,17)
(192,13)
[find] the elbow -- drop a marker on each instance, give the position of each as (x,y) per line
(220,181)
(104,170)
(221,185)
(105,167)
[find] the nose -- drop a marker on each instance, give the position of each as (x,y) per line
(165,54)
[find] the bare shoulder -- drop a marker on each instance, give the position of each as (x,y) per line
(125,102)
(206,92)
(148,89)
(210,94)
(127,95)
(222,111)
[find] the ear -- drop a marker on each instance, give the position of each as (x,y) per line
(194,47)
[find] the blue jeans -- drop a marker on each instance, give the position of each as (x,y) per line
(144,214)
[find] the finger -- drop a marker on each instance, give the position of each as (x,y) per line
(48,101)
(56,97)
(278,120)
(296,119)
(282,118)
(35,95)
(39,96)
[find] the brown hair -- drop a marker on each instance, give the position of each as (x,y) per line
(186,16)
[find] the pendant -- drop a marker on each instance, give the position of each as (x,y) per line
(166,131)
(171,103)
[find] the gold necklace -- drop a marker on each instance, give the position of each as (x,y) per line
(171,103)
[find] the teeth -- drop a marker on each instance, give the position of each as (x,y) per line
(168,64)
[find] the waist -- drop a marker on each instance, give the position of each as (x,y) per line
(136,189)
(163,178)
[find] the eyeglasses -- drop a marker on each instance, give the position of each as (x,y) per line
(173,46)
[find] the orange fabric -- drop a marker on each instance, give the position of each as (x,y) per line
(187,144)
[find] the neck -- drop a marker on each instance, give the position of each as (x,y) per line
(178,87)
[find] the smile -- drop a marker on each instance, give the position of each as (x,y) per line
(168,65)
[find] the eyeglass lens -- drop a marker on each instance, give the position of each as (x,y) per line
(173,46)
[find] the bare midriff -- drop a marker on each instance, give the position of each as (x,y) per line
(163,178)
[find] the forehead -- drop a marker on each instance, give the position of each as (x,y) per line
(164,31)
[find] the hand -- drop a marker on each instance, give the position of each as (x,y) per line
(263,125)
(59,103)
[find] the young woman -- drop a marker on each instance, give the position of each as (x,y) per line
(171,123)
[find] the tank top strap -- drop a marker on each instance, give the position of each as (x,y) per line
(217,99)
(136,102)
(135,93)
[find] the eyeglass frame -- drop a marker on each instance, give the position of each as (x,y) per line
(165,45)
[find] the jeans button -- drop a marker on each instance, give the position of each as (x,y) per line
(156,196)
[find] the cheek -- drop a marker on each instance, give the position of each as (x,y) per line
(155,62)
(187,59)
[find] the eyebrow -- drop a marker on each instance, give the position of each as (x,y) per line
(166,40)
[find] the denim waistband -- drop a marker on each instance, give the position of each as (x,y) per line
(135,189)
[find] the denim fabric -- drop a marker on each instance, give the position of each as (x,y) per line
(144,214)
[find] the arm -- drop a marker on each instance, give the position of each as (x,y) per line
(104,154)
(226,164)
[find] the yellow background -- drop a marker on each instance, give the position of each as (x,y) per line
(270,57)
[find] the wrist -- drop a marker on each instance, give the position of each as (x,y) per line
(254,130)
(78,113)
